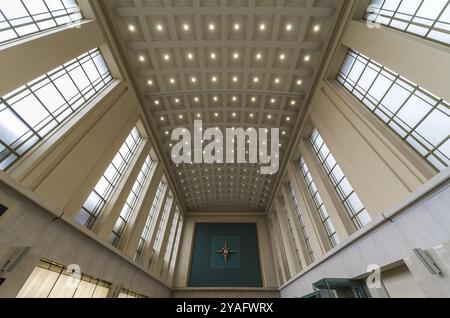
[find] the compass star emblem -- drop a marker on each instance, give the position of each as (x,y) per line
(225,252)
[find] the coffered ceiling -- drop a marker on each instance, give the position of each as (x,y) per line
(230,63)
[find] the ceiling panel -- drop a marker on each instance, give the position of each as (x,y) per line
(230,63)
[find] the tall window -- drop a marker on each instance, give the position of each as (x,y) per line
(20,18)
(51,280)
(169,245)
(132,201)
(276,230)
(299,214)
(125,293)
(418,117)
(104,189)
(317,199)
(150,219)
(426,18)
(173,257)
(160,232)
(31,112)
(291,229)
(349,198)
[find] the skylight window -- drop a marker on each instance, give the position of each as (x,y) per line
(20,18)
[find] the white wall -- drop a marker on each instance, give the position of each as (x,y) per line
(423,221)
(399,283)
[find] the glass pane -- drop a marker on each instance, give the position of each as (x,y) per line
(317,200)
(31,112)
(106,185)
(415,115)
(421,17)
(27,17)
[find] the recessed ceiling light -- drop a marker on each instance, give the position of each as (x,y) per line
(177,100)
(212,27)
(150,82)
(131,28)
(234,114)
(213,56)
(253,99)
(269,116)
(216,98)
(172,81)
(258,56)
(142,58)
(167,57)
(186,27)
(288,118)
(273,100)
(156,102)
(162,118)
(214,79)
(237,26)
(293,102)
(196,99)
(216,114)
(159,27)
(262,26)
(251,115)
(277,81)
(282,56)
(180,116)
(234,98)
(167,132)
(235,79)
(236,56)
(307,58)
(190,56)
(199,115)
(194,80)
(256,79)
(316,28)
(299,82)
(289,27)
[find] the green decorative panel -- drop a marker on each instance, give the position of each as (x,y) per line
(240,269)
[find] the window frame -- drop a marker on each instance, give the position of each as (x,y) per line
(300,217)
(344,198)
(151,218)
(425,149)
(157,242)
(136,140)
(330,229)
(130,207)
(375,13)
(33,134)
(34,22)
